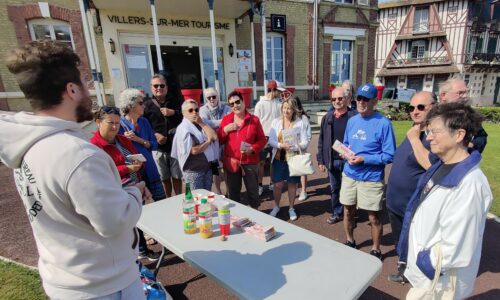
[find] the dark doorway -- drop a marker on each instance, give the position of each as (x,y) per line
(438,79)
(181,67)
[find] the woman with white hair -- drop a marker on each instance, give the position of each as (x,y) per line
(212,113)
(196,148)
(137,129)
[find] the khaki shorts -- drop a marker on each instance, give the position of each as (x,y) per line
(366,195)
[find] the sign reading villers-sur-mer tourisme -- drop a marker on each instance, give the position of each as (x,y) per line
(166,22)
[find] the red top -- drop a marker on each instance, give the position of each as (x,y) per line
(114,152)
(250,132)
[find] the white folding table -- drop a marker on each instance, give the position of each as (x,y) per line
(296,264)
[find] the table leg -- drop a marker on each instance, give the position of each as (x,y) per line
(160,260)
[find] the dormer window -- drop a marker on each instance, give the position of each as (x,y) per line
(421,20)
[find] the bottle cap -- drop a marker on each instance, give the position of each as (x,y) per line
(203,200)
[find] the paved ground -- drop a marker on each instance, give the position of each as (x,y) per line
(184,282)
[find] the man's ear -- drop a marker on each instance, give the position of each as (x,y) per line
(71,89)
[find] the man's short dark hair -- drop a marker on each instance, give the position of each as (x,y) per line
(43,69)
(457,115)
(159,76)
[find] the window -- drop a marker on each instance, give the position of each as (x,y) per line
(341,65)
(276,57)
(343,1)
(417,49)
(421,20)
(51,29)
(363,2)
(492,45)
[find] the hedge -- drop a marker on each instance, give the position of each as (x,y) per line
(491,114)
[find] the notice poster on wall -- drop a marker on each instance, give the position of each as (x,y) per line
(244,60)
(136,62)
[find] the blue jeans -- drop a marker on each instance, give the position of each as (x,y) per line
(199,180)
(335,176)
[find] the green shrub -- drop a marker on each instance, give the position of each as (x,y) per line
(491,114)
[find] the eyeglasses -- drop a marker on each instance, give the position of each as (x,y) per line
(112,124)
(192,109)
(211,97)
(337,99)
(110,110)
(419,107)
(362,98)
(232,104)
(433,131)
(162,86)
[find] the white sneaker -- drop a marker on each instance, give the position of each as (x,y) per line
(271,187)
(303,196)
(293,215)
(261,190)
(275,211)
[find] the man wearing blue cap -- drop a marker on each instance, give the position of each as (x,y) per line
(370,136)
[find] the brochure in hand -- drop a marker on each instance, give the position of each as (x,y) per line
(343,150)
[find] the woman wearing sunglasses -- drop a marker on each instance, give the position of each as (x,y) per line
(196,148)
(288,133)
(212,113)
(138,130)
(243,138)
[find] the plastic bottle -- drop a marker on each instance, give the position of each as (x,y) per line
(188,213)
(205,218)
(224,220)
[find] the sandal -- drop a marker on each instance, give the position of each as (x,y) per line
(151,241)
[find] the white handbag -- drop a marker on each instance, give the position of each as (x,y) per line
(433,293)
(300,164)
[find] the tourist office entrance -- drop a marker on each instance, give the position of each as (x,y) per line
(185,45)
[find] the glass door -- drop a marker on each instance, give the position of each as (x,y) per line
(137,66)
(208,70)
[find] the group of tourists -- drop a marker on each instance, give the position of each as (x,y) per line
(88,201)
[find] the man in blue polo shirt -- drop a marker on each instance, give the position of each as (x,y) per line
(370,136)
(411,159)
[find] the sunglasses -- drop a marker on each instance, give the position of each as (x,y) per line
(232,104)
(162,86)
(420,107)
(110,110)
(361,98)
(192,109)
(211,97)
(337,99)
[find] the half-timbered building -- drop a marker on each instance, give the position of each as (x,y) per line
(421,43)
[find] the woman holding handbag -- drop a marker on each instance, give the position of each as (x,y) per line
(288,137)
(243,138)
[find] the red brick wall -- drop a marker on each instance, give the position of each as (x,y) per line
(4,105)
(359,66)
(20,15)
(327,53)
(289,53)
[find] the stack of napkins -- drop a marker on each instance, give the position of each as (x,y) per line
(264,233)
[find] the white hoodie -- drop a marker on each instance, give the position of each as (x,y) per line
(82,219)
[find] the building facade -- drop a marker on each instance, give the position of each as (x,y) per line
(121,50)
(422,43)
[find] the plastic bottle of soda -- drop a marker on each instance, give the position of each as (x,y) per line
(188,214)
(205,218)
(224,220)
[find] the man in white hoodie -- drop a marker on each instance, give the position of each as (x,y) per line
(83,220)
(267,109)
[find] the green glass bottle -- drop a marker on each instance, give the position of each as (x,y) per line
(188,212)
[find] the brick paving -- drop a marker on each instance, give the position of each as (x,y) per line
(184,282)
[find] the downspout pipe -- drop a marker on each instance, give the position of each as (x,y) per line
(214,44)
(264,44)
(88,43)
(252,41)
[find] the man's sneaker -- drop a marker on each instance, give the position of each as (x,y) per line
(376,253)
(150,255)
(302,196)
(293,215)
(261,190)
(398,277)
(351,244)
(334,219)
(271,187)
(275,211)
